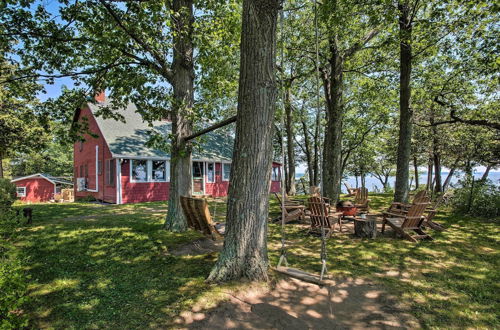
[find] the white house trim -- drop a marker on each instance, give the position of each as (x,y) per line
(32,176)
(118,181)
(140,157)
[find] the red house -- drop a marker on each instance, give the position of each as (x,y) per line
(39,187)
(115,165)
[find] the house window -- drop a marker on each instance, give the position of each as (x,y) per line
(139,170)
(81,171)
(159,170)
(211,172)
(110,172)
(276,174)
(226,171)
(21,191)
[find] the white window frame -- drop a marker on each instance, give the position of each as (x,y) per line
(223,172)
(278,178)
(23,194)
(148,171)
(167,170)
(206,171)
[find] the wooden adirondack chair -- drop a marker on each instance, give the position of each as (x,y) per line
(291,214)
(361,200)
(431,212)
(321,217)
(350,191)
(411,221)
(420,197)
(290,205)
(198,217)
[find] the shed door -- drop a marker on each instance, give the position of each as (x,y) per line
(198,182)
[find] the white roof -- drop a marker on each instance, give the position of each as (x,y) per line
(43,176)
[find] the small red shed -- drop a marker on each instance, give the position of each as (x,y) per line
(39,187)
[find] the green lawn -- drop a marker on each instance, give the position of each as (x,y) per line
(94,266)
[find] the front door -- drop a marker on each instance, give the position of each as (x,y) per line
(198,178)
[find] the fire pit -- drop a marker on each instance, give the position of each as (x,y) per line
(347,208)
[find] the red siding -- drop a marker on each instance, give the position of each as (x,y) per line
(86,157)
(276,185)
(218,188)
(37,189)
(136,192)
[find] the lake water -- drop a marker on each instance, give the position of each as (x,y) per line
(373,184)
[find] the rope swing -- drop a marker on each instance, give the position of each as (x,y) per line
(292,272)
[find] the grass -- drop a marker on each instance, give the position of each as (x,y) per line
(93,266)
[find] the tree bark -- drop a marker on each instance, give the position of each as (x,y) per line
(401,189)
(307,151)
(244,254)
(448,178)
(437,173)
(183,90)
(1,166)
(290,148)
(428,185)
(415,168)
(332,149)
(486,172)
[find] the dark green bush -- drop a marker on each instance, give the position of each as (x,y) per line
(13,289)
(478,198)
(7,194)
(13,283)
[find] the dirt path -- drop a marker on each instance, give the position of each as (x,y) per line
(293,304)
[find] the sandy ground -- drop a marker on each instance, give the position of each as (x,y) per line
(293,304)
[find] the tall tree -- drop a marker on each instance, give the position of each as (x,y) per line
(21,129)
(141,51)
(244,254)
(406,16)
(343,44)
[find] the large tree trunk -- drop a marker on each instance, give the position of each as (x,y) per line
(332,149)
(307,149)
(317,146)
(183,90)
(437,173)
(415,169)
(290,149)
(428,185)
(1,166)
(405,113)
(244,254)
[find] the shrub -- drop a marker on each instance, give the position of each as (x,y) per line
(9,222)
(479,198)
(13,289)
(7,194)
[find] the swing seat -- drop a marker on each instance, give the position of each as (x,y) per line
(303,276)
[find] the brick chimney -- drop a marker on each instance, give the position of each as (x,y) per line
(100,97)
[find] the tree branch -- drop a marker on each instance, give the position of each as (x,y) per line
(456,119)
(211,128)
(357,46)
(165,69)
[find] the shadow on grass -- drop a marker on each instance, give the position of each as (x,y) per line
(115,272)
(450,281)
